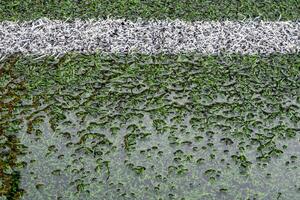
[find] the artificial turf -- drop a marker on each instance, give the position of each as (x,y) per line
(150,127)
(148,9)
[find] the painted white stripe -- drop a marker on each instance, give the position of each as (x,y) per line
(148,37)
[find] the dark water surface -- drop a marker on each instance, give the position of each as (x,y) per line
(150,127)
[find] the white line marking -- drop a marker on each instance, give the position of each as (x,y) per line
(46,37)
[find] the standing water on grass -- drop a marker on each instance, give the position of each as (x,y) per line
(150,127)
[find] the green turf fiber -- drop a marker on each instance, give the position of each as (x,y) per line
(149,9)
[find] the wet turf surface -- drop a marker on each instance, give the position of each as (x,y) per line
(150,127)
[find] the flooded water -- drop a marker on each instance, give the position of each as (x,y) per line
(141,127)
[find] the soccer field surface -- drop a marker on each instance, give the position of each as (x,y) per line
(149,100)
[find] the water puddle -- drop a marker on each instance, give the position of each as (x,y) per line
(151,128)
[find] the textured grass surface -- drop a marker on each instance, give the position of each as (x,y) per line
(162,9)
(151,127)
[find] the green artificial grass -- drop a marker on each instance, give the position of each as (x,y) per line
(151,127)
(150,9)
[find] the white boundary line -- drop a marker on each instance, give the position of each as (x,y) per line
(47,37)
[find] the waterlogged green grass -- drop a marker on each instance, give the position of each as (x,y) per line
(151,127)
(159,9)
